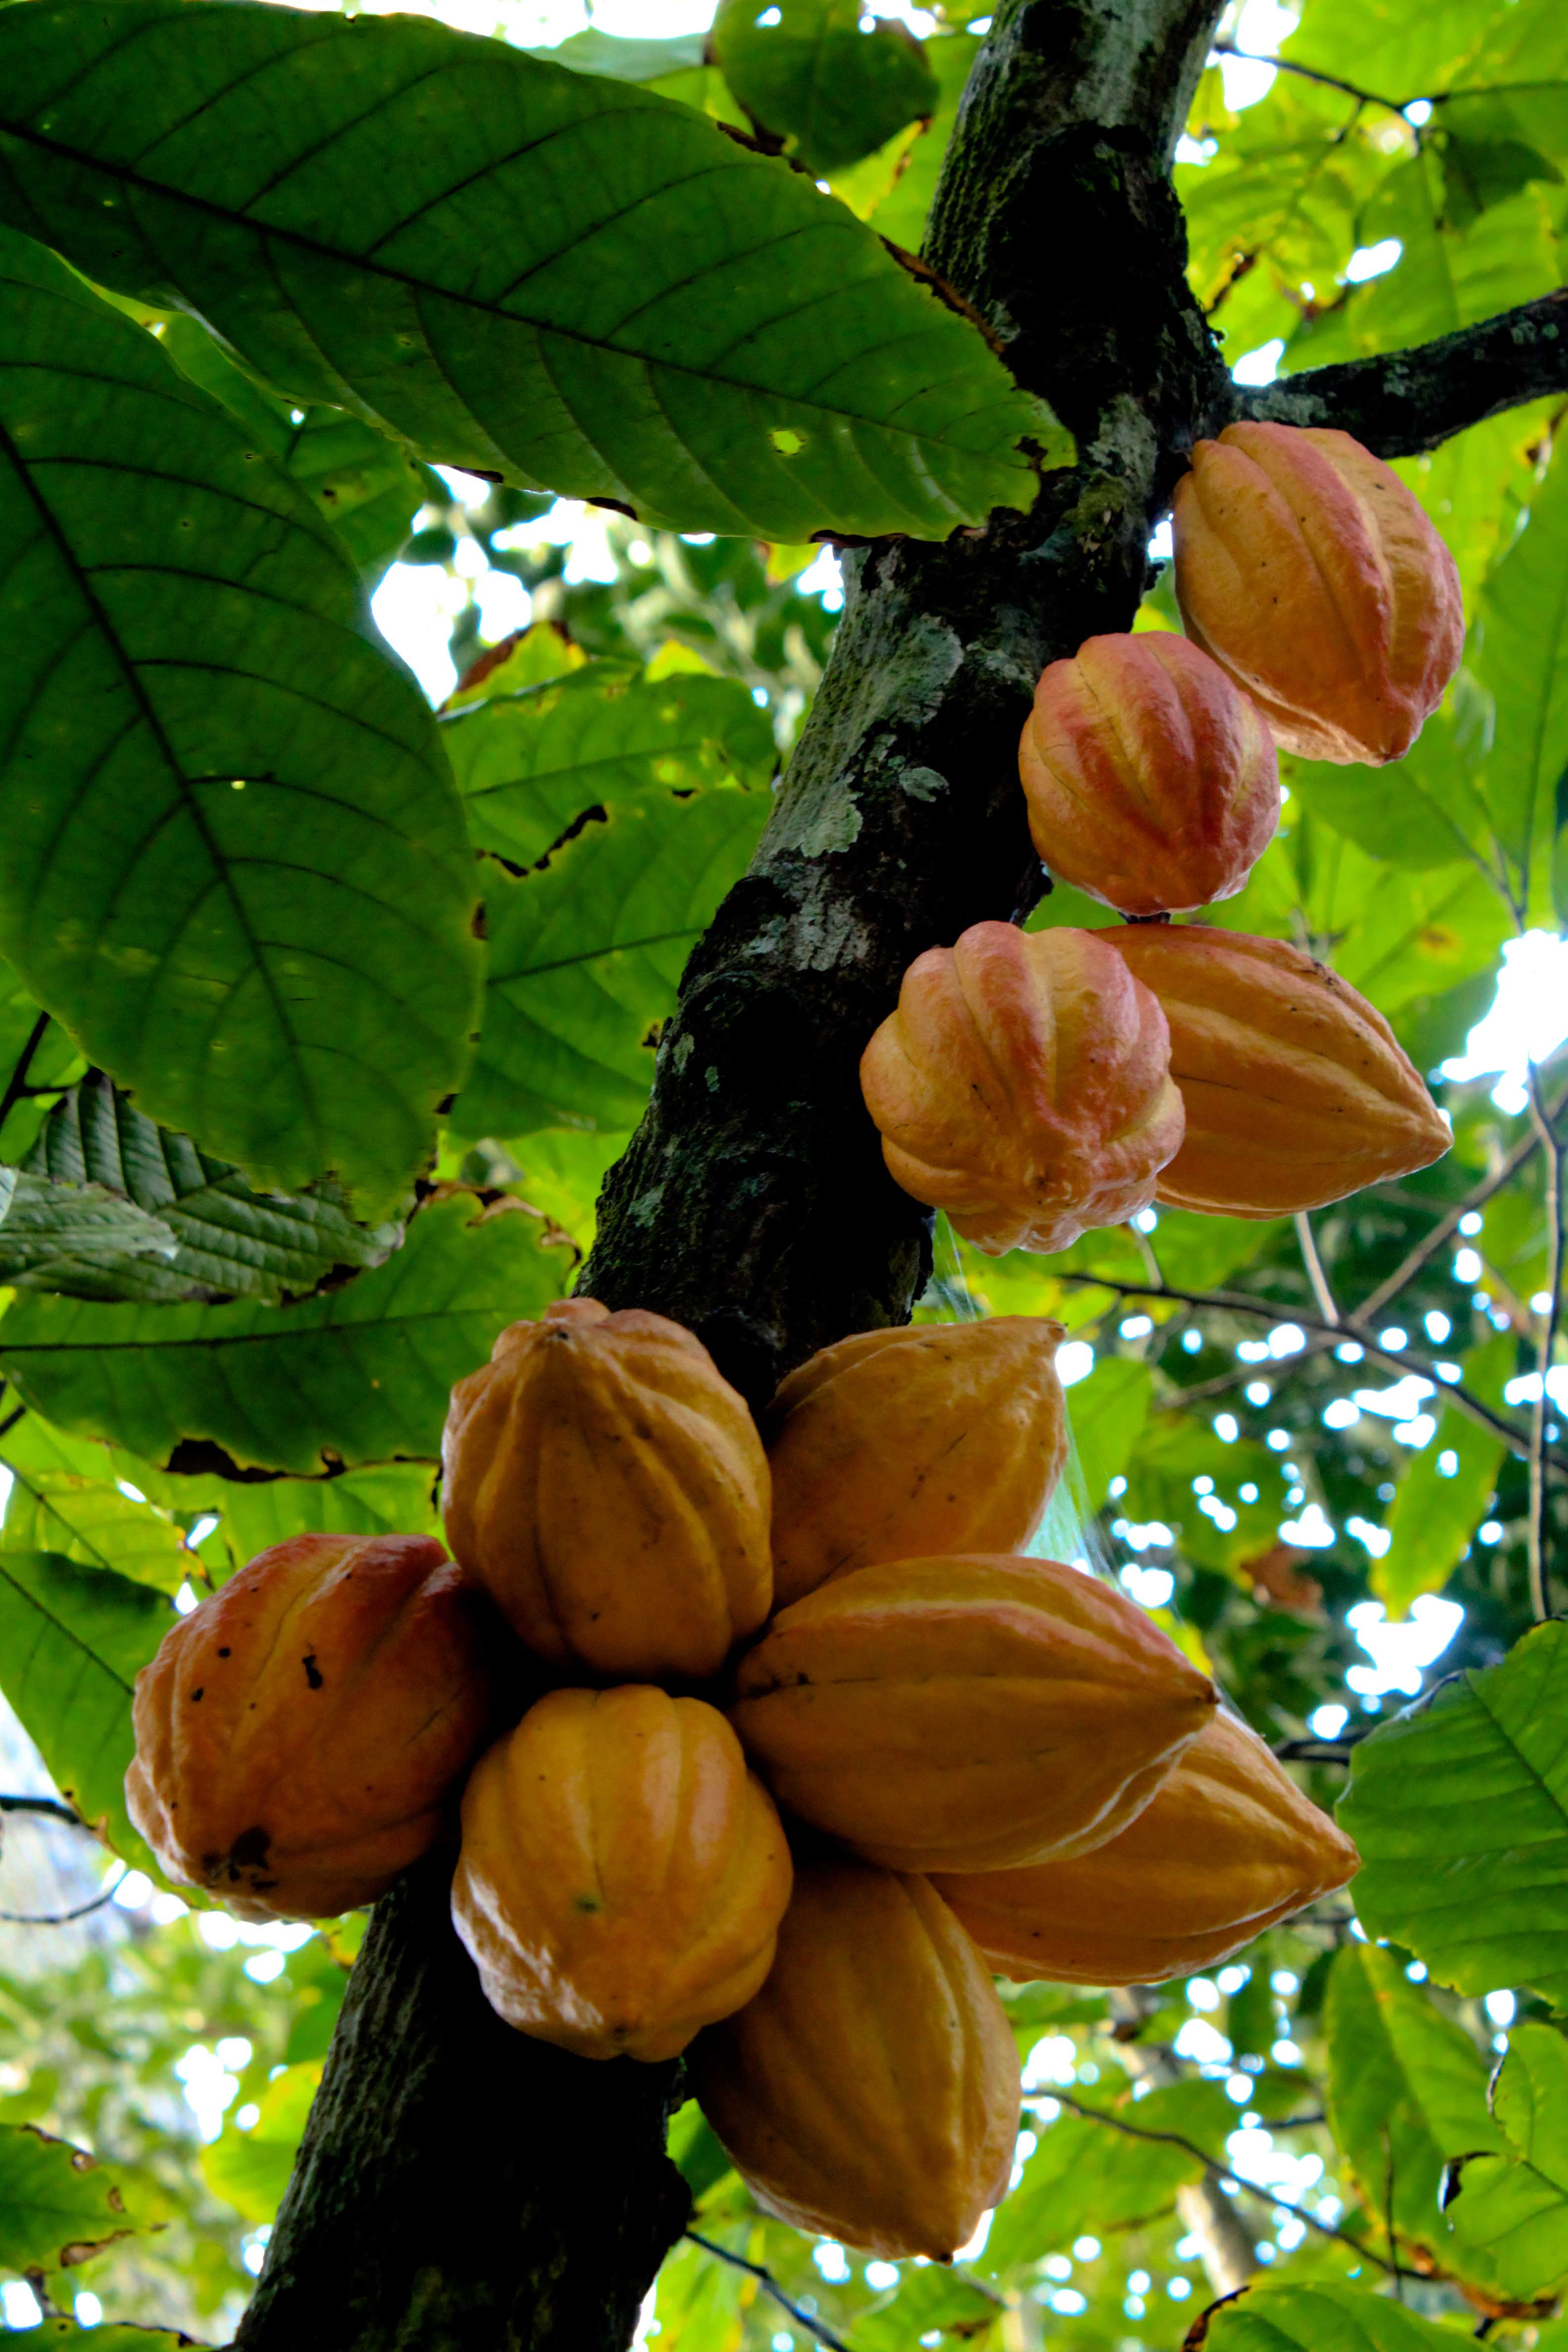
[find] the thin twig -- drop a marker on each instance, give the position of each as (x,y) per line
(1178,2139)
(1317,1751)
(1545,1125)
(1311,73)
(1328,1306)
(771,2286)
(53,1807)
(18,1079)
(1388,2217)
(57,1918)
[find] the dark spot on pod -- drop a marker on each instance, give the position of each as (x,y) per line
(224,1654)
(250,1850)
(196,1693)
(313,1673)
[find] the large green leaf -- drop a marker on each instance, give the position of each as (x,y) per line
(250,2169)
(1522,664)
(528,764)
(73,1641)
(552,276)
(206,1231)
(586,956)
(1511,2209)
(358,1374)
(1107,1411)
(395,1498)
(60,1236)
(234,864)
(91,1520)
(57,2205)
(1459,1808)
(1323,2317)
(1440,1503)
(818,74)
(1087,2175)
(1408,2090)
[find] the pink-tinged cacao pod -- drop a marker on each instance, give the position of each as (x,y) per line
(967,1713)
(897,1445)
(869,2093)
(1228,1847)
(300,1735)
(1152,784)
(622,1876)
(1311,575)
(608,1488)
(1024,1087)
(1297,1091)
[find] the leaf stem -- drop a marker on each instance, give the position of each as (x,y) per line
(769,2286)
(17,1085)
(1544,1123)
(1327,1306)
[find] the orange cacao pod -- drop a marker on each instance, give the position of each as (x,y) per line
(609,1489)
(869,2093)
(1297,1091)
(893,1445)
(1311,573)
(967,1713)
(622,1874)
(1227,1846)
(1152,784)
(1023,1087)
(298,1735)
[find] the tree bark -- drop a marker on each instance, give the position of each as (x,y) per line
(460,2186)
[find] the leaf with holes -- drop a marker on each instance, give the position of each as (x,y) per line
(1459,1808)
(57,2206)
(585,959)
(821,77)
(358,1374)
(73,1641)
(209,1234)
(527,765)
(234,865)
(396,1498)
(1510,2211)
(555,277)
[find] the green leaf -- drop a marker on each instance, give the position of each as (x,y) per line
(57,2205)
(1107,1411)
(73,1641)
(1486,159)
(1459,1806)
(250,2169)
(806,71)
(528,764)
(59,1235)
(1407,2089)
(89,1520)
(585,959)
(1511,2211)
(925,2303)
(903,212)
(1522,663)
(516,268)
(359,1374)
(626,60)
(1087,2175)
(392,1500)
(235,863)
(197,1229)
(1324,2317)
(1436,1509)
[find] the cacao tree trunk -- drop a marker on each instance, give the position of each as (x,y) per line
(460,2186)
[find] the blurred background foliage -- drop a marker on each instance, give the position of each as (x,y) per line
(1304,1448)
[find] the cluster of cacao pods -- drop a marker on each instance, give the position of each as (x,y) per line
(1036,1085)
(811,1744)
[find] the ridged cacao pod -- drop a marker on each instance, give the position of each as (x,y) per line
(869,2093)
(967,1713)
(1227,1846)
(621,1875)
(1297,1091)
(1311,573)
(1152,784)
(298,1735)
(1022,1086)
(609,1489)
(896,1444)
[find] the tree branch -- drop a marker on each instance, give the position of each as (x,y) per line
(1312,73)
(52,1808)
(1402,402)
(769,2286)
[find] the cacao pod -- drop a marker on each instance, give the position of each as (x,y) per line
(609,1489)
(622,1874)
(967,1713)
(893,1445)
(869,2093)
(1311,573)
(298,1735)
(1297,1091)
(1023,1087)
(1227,1846)
(1152,784)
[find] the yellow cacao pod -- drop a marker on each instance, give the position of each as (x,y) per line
(622,1874)
(967,1713)
(298,1736)
(1227,1846)
(1297,1091)
(895,1444)
(869,2093)
(1311,573)
(1152,784)
(1022,1086)
(609,1489)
